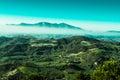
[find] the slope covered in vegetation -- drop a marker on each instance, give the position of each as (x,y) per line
(28,58)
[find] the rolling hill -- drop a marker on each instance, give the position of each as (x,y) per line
(53,59)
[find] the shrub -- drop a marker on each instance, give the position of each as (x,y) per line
(110,70)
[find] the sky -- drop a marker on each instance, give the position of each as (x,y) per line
(88,14)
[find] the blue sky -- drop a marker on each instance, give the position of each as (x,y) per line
(94,15)
(90,10)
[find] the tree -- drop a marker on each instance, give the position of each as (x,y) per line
(35,77)
(110,70)
(81,76)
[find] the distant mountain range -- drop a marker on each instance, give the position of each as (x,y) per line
(48,25)
(114,31)
(65,30)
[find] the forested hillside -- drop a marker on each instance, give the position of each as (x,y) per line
(72,58)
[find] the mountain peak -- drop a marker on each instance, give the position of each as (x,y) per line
(48,25)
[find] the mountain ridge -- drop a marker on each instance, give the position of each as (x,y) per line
(48,25)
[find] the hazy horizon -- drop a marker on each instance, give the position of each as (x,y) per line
(91,15)
(87,25)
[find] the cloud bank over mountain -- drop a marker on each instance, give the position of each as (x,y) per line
(87,25)
(40,28)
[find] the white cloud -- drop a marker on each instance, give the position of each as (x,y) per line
(88,25)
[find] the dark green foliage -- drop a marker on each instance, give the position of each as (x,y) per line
(82,76)
(17,76)
(35,77)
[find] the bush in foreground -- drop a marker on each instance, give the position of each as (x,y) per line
(110,70)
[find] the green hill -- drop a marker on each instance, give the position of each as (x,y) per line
(28,58)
